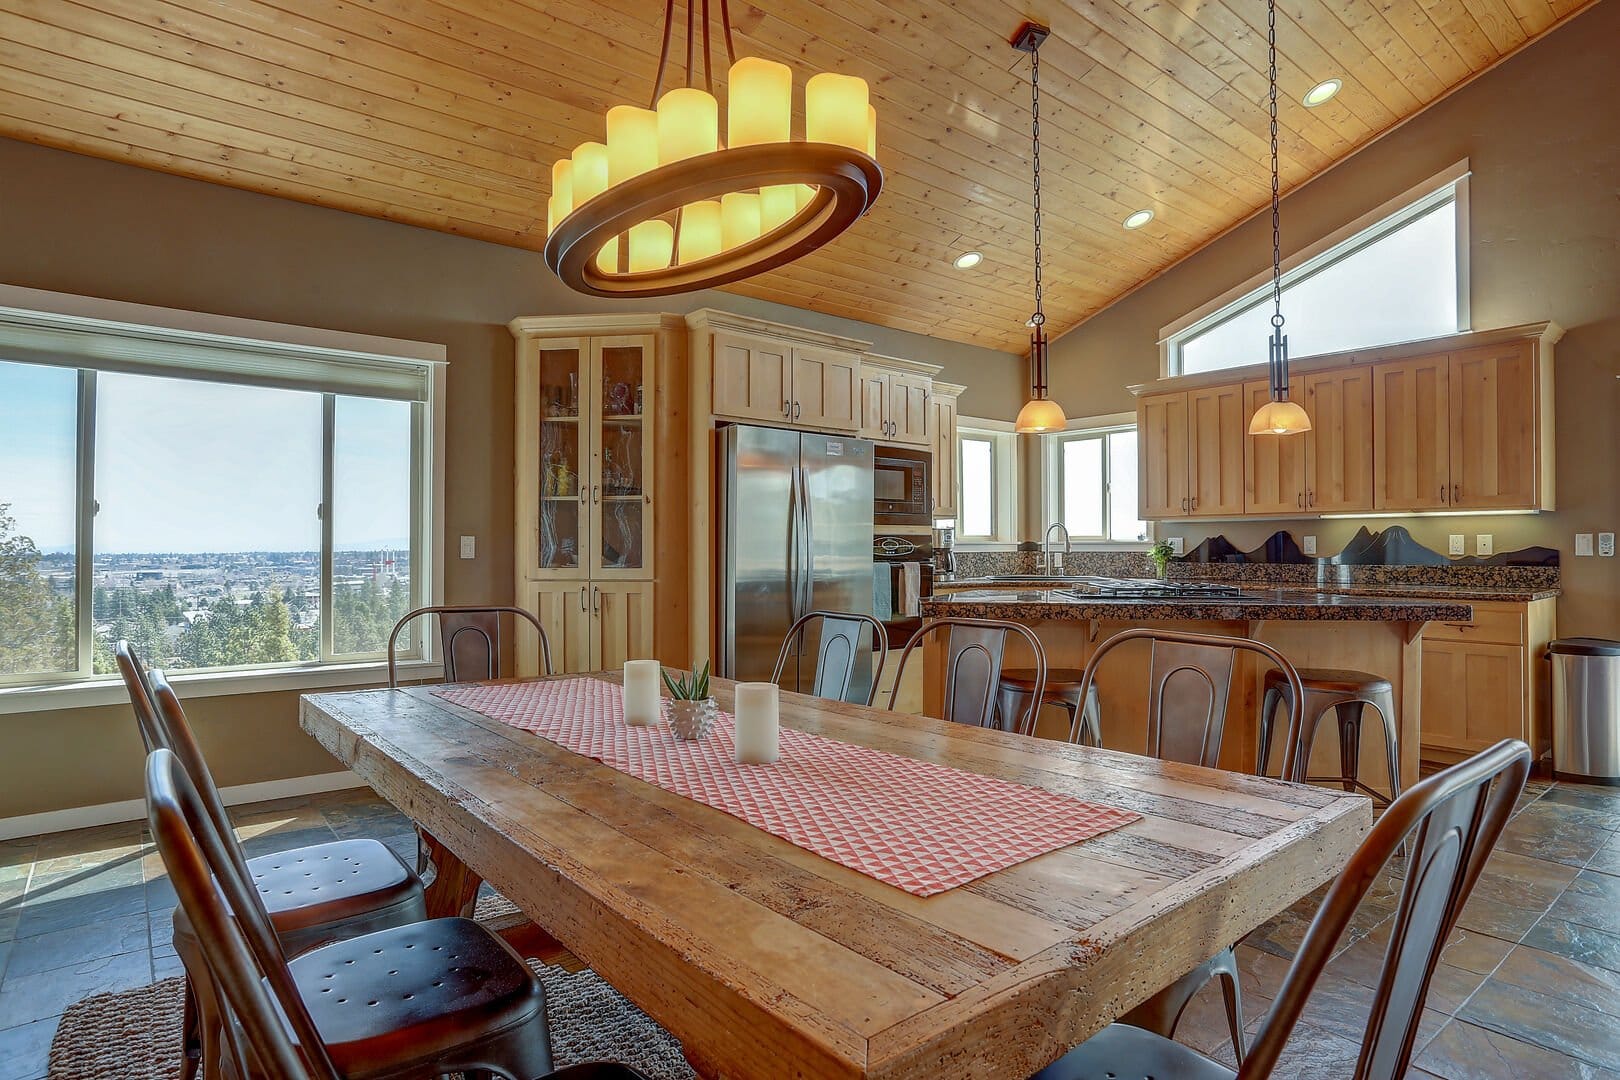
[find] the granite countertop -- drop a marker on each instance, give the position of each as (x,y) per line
(1458,593)
(1259,604)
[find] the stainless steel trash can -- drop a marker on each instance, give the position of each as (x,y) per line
(1586,709)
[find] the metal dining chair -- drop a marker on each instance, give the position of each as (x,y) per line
(1189,685)
(469,640)
(837,653)
(314,894)
(1449,824)
(975,653)
(410,1001)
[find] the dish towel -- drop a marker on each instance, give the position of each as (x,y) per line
(910,599)
(882,592)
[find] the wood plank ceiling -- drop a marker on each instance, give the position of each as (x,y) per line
(449,114)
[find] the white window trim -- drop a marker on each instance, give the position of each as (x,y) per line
(1006,484)
(1449,183)
(81,692)
(1050,495)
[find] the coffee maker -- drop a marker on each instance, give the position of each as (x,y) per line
(944,547)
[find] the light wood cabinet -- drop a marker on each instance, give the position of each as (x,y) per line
(590,626)
(1216,431)
(1411,434)
(826,390)
(895,405)
(1485,680)
(753,378)
(943,419)
(1339,446)
(1494,398)
(874,404)
(621,626)
(1161,421)
(1274,467)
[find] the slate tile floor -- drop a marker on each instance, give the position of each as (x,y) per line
(1529,987)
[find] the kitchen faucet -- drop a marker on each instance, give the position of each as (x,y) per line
(1046,548)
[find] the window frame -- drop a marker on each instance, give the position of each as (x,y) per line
(1051,458)
(25,310)
(1003,483)
(1449,185)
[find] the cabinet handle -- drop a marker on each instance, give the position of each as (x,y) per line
(1442,493)
(787,410)
(596,599)
(1184,502)
(596,494)
(1456,493)
(798,410)
(582,598)
(1310,497)
(1300,500)
(1195,502)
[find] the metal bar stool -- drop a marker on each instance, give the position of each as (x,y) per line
(837,655)
(1347,693)
(1064,687)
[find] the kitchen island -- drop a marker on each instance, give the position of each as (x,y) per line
(1375,633)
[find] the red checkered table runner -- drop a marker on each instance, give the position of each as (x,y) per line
(913,824)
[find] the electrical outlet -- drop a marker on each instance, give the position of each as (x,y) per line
(469,547)
(1308,545)
(1457,545)
(1484,544)
(1583,543)
(1606,544)
(1175,545)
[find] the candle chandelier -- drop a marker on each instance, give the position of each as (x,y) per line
(1279,416)
(1040,413)
(665,205)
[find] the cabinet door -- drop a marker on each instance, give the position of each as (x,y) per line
(1274,465)
(826,389)
(555,467)
(752,378)
(1339,446)
(563,609)
(619,414)
(621,623)
(1216,432)
(1411,440)
(944,442)
(908,409)
(1493,427)
(1472,694)
(874,405)
(1162,422)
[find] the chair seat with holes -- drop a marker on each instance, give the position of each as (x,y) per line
(1122,1052)
(389,1002)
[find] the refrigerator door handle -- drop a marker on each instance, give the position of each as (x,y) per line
(793,546)
(809,570)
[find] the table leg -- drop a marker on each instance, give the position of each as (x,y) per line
(454,889)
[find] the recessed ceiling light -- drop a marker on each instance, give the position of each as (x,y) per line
(1139,219)
(968,260)
(1322,93)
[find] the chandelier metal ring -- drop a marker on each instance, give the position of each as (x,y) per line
(846,183)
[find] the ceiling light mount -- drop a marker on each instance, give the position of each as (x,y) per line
(665,205)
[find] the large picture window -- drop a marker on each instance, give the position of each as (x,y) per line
(221,508)
(1401,278)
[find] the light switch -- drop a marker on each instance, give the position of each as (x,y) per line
(1308,545)
(1583,543)
(1175,545)
(1457,545)
(1484,544)
(1606,544)
(469,547)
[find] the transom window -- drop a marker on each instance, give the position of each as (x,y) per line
(1401,278)
(1091,484)
(222,505)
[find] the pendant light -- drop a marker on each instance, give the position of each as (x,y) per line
(683,195)
(1040,413)
(1279,416)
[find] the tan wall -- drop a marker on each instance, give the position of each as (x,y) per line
(1542,133)
(79,225)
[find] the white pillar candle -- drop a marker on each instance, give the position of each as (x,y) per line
(641,692)
(757,723)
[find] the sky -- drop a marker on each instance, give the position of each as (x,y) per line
(190,466)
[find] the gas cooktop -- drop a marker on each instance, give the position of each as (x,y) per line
(1153,589)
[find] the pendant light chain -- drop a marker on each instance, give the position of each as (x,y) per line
(1035,111)
(1276,213)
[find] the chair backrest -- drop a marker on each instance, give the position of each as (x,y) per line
(1189,686)
(469,640)
(1451,821)
(174,734)
(974,654)
(139,686)
(233,929)
(836,653)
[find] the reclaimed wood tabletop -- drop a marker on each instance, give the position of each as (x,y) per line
(766,960)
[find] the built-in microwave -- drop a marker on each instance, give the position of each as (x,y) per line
(902,493)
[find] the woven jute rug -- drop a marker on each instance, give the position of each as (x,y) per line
(135,1034)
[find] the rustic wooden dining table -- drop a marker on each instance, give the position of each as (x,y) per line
(765,959)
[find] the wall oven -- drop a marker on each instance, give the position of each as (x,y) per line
(902,488)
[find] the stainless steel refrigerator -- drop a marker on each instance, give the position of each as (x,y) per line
(796,524)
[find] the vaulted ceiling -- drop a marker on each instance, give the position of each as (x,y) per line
(448,115)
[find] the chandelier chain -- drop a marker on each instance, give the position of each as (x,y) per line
(1276,213)
(1035,112)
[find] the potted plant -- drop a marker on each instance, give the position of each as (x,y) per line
(1160,554)
(691,710)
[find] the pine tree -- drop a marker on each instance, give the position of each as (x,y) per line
(37,631)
